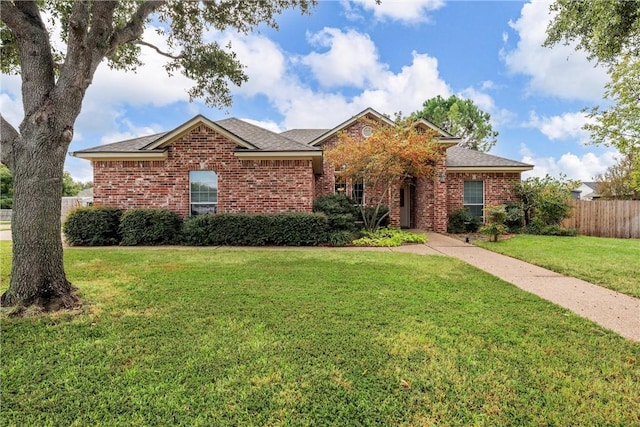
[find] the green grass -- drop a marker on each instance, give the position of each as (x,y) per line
(612,263)
(178,336)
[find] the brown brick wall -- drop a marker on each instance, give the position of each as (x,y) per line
(252,186)
(498,187)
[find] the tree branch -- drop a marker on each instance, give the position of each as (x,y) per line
(8,136)
(157,49)
(135,27)
(13,18)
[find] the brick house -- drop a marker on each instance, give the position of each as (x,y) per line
(231,165)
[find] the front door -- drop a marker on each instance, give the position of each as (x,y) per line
(405,206)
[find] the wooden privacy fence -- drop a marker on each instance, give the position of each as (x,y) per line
(606,218)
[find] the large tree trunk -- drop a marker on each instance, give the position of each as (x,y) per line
(37,272)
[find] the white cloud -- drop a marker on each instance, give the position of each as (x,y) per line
(567,126)
(408,12)
(583,168)
(132,131)
(559,71)
(11,107)
(484,101)
(303,106)
(265,63)
(265,124)
(352,58)
(149,85)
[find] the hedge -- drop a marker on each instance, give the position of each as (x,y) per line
(234,229)
(93,226)
(150,227)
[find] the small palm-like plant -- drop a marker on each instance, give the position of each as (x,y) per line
(496,216)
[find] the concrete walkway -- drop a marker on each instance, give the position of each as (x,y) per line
(613,310)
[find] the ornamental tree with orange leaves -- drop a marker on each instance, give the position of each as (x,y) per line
(390,156)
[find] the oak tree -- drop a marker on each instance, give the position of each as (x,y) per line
(390,156)
(54,84)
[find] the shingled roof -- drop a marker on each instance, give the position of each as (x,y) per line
(304,136)
(255,139)
(262,138)
(464,158)
(129,145)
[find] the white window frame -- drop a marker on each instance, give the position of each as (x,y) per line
(192,203)
(464,201)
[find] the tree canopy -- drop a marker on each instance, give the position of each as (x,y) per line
(609,31)
(383,160)
(55,76)
(461,118)
(602,28)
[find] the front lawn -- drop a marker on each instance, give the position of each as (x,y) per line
(612,263)
(199,336)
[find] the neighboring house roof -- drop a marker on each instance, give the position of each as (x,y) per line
(462,159)
(587,190)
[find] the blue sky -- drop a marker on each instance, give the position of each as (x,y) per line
(319,70)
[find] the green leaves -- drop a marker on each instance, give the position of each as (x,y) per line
(603,28)
(461,118)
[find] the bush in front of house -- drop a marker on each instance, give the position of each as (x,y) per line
(537,228)
(150,227)
(340,211)
(93,226)
(236,229)
(389,237)
(495,227)
(462,221)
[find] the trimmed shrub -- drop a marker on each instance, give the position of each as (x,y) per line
(462,221)
(234,229)
(150,227)
(339,209)
(92,226)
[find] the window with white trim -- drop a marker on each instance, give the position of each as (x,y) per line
(474,197)
(357,192)
(203,192)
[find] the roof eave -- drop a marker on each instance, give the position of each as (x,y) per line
(480,169)
(314,155)
(120,155)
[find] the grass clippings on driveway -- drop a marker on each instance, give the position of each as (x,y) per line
(177,336)
(612,263)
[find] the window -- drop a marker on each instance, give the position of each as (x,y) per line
(204,192)
(474,197)
(357,192)
(340,186)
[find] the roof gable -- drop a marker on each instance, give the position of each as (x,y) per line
(188,126)
(445,137)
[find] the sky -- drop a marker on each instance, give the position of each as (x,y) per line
(319,70)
